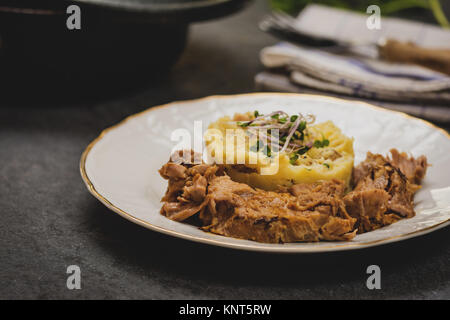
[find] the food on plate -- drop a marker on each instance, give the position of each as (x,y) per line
(236,200)
(300,152)
(384,189)
(308,212)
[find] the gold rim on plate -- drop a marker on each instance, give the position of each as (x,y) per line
(277,248)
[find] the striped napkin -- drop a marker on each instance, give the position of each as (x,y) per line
(408,88)
(358,76)
(281,82)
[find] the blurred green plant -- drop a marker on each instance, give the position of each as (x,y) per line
(387,6)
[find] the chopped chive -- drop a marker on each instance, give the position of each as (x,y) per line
(318,144)
(327,165)
(321,144)
(293,118)
(302,126)
(293,158)
(303,150)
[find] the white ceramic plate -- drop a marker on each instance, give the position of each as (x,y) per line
(120,166)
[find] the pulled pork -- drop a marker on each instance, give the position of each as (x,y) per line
(384,189)
(239,211)
(302,213)
(383,194)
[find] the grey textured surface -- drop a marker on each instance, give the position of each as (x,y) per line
(50,221)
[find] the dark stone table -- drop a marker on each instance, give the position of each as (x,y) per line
(50,221)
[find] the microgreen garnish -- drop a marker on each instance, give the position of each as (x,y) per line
(285,133)
(302,126)
(243,124)
(303,150)
(321,143)
(293,158)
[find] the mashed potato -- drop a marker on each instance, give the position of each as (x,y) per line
(325,152)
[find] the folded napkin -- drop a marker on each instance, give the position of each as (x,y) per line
(281,82)
(358,76)
(412,88)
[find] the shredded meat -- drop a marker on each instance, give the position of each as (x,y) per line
(186,192)
(239,211)
(413,169)
(302,213)
(384,189)
(383,194)
(243,168)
